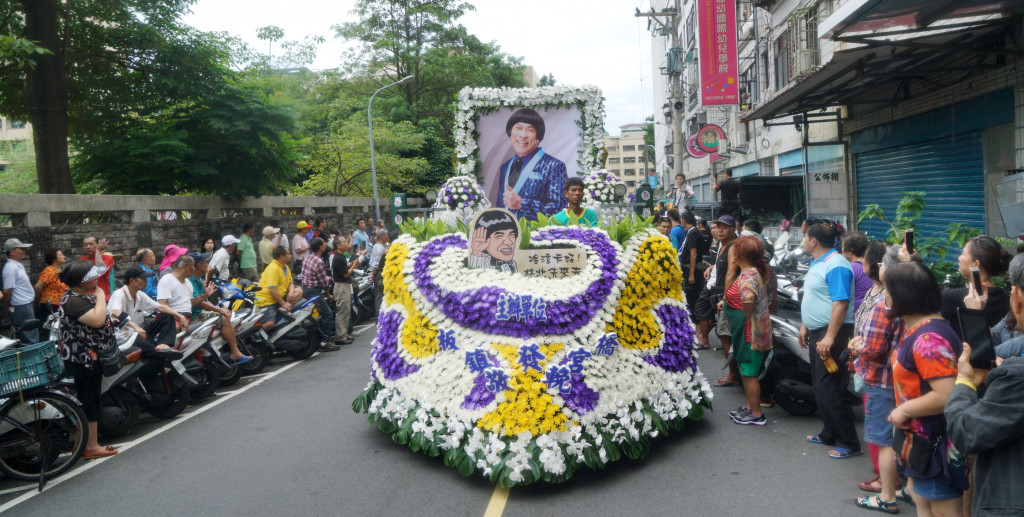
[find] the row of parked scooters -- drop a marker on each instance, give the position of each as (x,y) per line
(164,383)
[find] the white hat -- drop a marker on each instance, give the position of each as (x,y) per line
(14,243)
(270,230)
(228,240)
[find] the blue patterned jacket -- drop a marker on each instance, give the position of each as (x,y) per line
(541,194)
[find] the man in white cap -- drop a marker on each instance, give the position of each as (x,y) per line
(268,243)
(221,259)
(18,292)
(300,245)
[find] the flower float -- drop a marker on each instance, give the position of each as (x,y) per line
(599,187)
(525,379)
(458,199)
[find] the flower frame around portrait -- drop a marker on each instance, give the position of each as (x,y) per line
(472,103)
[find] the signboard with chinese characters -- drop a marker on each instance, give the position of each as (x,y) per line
(551,262)
(398,203)
(719,66)
(827,190)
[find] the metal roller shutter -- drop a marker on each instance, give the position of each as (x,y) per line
(949,170)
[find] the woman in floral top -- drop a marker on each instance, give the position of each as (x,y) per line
(924,370)
(746,304)
(49,286)
(84,326)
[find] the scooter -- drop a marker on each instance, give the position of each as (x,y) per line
(240,299)
(364,305)
(296,334)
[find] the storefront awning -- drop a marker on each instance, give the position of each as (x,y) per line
(889,18)
(886,72)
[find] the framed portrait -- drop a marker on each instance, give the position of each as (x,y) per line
(523,144)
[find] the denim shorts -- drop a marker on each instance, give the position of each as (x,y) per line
(937,487)
(880,402)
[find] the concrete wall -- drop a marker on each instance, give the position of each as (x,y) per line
(42,220)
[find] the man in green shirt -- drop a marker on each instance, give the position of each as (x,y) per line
(247,254)
(574,193)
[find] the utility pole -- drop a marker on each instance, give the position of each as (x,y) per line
(668,21)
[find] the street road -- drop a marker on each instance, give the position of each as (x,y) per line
(287,443)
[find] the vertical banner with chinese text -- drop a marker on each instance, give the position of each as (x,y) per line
(719,67)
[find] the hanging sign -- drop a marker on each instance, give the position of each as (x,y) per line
(719,66)
(710,137)
(693,149)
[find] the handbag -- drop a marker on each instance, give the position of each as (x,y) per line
(919,453)
(858,383)
(111,358)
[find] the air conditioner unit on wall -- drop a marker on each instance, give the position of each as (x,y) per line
(737,130)
(702,117)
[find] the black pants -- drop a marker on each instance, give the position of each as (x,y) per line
(87,388)
(830,391)
(161,331)
(704,307)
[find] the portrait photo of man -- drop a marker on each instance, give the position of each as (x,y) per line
(530,182)
(494,241)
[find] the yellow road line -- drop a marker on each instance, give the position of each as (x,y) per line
(497,504)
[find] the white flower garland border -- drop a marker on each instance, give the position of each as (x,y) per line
(474,102)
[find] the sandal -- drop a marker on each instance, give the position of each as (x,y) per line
(841,453)
(722,382)
(816,439)
(102,453)
(903,496)
(877,504)
(870,486)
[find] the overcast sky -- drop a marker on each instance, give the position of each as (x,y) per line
(581,42)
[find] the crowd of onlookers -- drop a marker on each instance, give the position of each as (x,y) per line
(943,435)
(91,296)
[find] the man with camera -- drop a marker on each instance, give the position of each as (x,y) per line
(985,414)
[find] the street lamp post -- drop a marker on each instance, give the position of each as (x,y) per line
(373,162)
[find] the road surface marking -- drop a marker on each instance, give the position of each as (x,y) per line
(124,447)
(497,504)
(18,489)
(362,328)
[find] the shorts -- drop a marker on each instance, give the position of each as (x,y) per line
(879,402)
(704,308)
(722,327)
(270,313)
(749,361)
(937,487)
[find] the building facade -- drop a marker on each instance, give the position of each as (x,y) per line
(628,158)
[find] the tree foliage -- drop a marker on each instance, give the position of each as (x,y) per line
(230,144)
(111,68)
(18,174)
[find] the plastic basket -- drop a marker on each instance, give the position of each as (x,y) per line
(28,367)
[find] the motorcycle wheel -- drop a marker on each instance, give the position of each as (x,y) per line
(231,375)
(129,413)
(794,405)
(260,359)
(312,343)
(178,402)
(48,446)
(209,380)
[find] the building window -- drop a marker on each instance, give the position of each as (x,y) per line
(15,124)
(613,160)
(782,61)
(630,172)
(631,184)
(691,28)
(613,149)
(614,171)
(628,148)
(629,159)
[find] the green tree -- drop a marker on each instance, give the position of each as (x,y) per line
(105,61)
(231,144)
(270,34)
(547,80)
(18,164)
(339,165)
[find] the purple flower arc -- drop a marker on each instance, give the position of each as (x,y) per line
(476,308)
(676,355)
(385,348)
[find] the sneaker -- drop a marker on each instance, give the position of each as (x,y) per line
(328,347)
(738,412)
(768,401)
(749,419)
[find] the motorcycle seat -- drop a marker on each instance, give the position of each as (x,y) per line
(132,354)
